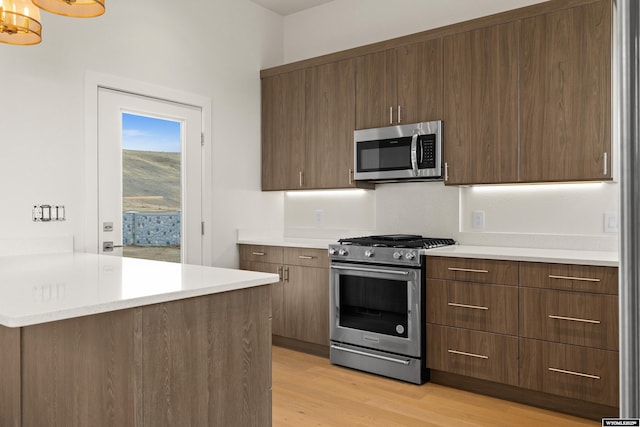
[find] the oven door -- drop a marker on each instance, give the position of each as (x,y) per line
(377,307)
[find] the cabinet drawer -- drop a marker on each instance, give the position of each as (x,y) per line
(568,277)
(589,320)
(306,257)
(473,270)
(261,253)
(577,372)
(491,308)
(482,355)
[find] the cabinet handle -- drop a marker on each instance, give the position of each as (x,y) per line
(350,177)
(574,319)
(258,253)
(390,115)
(305,257)
(280,273)
(286,274)
(578,374)
(399,117)
(300,177)
(605,163)
(467,270)
(581,279)
(446,171)
(462,353)
(475,307)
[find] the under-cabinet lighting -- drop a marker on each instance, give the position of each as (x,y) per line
(355,192)
(518,188)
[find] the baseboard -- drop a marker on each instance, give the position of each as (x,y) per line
(302,346)
(578,408)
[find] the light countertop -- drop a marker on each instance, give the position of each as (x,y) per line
(289,242)
(43,288)
(560,256)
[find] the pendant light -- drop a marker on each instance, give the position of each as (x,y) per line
(73,8)
(19,22)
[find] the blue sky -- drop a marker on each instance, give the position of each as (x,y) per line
(150,134)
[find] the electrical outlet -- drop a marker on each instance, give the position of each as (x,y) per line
(319,216)
(611,222)
(36,213)
(477,220)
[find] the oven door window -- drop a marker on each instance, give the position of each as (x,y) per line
(374,305)
(384,155)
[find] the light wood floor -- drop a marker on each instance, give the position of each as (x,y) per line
(309,391)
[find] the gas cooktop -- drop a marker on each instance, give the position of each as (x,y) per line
(398,241)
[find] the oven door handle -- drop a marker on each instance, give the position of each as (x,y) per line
(371,270)
(414,153)
(375,356)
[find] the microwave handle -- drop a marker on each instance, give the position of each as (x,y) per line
(414,153)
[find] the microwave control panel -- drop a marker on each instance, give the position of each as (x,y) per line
(428,151)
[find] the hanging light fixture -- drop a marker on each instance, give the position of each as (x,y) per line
(19,22)
(73,8)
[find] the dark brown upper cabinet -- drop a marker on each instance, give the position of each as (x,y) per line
(283,149)
(565,95)
(401,85)
(481,105)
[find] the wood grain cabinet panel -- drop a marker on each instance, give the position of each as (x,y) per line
(306,302)
(399,86)
(490,308)
(10,369)
(582,278)
(283,131)
(261,253)
(476,354)
(277,292)
(569,317)
(473,270)
(481,105)
(565,94)
(581,373)
(306,257)
(329,123)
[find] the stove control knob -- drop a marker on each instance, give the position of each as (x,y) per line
(410,256)
(332,251)
(368,254)
(343,252)
(397,255)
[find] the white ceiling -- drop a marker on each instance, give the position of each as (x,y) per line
(287,7)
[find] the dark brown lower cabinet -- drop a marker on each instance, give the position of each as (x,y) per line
(583,373)
(483,355)
(203,361)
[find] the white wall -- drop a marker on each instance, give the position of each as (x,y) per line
(547,217)
(345,24)
(210,48)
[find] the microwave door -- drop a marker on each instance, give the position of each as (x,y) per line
(384,159)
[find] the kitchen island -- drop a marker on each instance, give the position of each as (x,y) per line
(95,340)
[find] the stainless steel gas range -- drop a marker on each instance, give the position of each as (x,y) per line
(377,304)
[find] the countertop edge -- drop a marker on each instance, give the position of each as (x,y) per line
(307,244)
(555,256)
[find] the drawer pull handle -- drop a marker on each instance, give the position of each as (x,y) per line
(462,353)
(305,257)
(581,279)
(467,270)
(475,307)
(574,319)
(578,374)
(258,253)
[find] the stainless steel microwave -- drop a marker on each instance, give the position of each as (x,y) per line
(403,152)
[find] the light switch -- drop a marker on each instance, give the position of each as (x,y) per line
(477,220)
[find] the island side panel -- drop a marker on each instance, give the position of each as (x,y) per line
(10,415)
(207,360)
(80,372)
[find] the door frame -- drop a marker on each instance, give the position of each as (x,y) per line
(94,81)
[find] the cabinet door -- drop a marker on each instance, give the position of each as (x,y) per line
(277,295)
(481,105)
(565,95)
(330,122)
(283,101)
(419,82)
(376,89)
(306,304)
